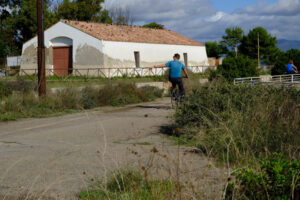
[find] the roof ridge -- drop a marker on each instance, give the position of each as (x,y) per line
(117,25)
(127,33)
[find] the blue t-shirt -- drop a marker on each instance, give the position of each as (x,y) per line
(175,68)
(290,67)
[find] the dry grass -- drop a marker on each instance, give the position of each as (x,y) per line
(25,103)
(241,123)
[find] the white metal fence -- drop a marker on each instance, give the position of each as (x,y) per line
(291,79)
(108,72)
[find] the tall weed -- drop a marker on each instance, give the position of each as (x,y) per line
(240,123)
(28,104)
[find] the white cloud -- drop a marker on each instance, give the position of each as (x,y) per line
(149,10)
(283,8)
(198,20)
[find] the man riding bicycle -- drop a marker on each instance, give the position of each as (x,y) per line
(291,68)
(175,73)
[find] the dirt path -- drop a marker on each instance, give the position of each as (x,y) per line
(58,156)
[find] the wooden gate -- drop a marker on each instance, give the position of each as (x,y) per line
(62,60)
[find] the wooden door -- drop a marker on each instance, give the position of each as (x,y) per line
(62,60)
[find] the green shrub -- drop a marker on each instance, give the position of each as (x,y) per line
(119,95)
(127,185)
(5,90)
(28,104)
(150,93)
(68,98)
(236,67)
(89,97)
(278,178)
(22,85)
(122,94)
(241,123)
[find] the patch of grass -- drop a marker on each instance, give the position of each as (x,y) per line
(144,143)
(128,185)
(239,124)
(27,103)
(117,142)
(83,81)
(5,90)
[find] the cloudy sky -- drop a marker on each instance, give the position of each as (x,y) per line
(206,20)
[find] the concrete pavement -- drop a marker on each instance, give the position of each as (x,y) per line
(58,157)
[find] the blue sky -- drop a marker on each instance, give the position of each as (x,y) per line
(231,5)
(206,20)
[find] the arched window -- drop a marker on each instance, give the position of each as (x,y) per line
(61,41)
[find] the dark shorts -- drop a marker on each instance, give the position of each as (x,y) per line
(175,82)
(291,72)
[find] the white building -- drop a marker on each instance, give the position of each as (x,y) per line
(81,45)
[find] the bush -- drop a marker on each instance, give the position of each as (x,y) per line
(127,94)
(5,90)
(89,98)
(278,178)
(240,123)
(28,104)
(236,67)
(22,85)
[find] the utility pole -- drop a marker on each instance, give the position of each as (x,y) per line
(258,56)
(6,67)
(41,49)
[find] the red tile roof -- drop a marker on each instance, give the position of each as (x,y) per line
(122,33)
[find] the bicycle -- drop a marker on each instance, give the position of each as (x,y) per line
(176,98)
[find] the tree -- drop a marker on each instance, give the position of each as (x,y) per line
(24,19)
(233,38)
(8,33)
(67,10)
(121,16)
(83,10)
(280,64)
(237,67)
(282,60)
(268,48)
(154,25)
(213,49)
(294,54)
(88,9)
(103,17)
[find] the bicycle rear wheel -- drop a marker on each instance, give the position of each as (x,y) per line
(174,98)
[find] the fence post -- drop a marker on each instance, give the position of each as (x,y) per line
(292,78)
(185,55)
(137,59)
(6,66)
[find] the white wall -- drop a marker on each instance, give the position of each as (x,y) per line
(114,52)
(154,53)
(63,30)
